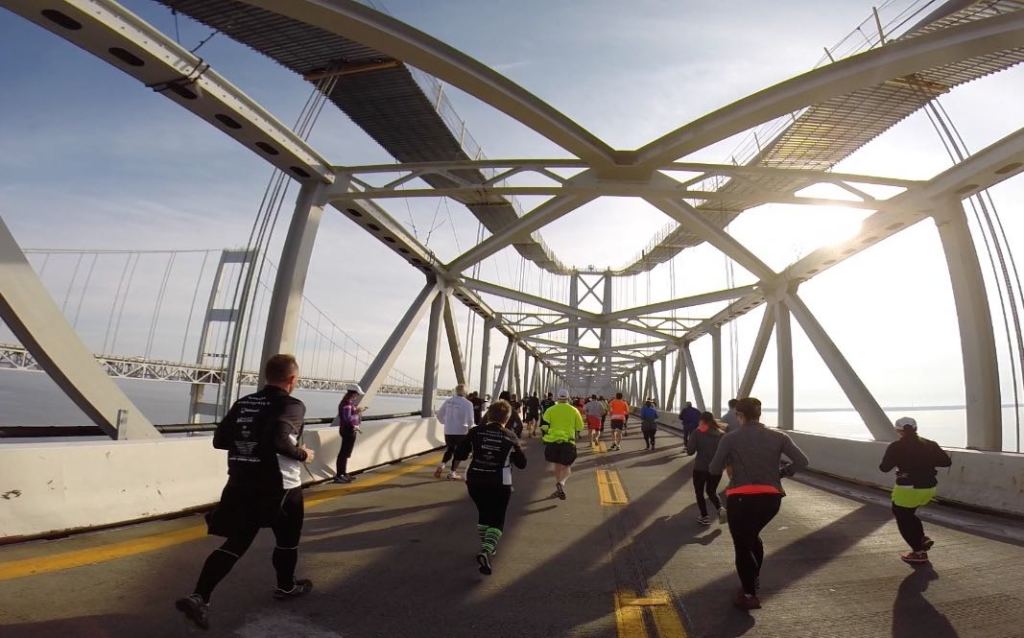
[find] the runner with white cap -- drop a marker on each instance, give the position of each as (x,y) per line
(348,424)
(915,459)
(563,421)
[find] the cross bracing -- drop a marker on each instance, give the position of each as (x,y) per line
(855,99)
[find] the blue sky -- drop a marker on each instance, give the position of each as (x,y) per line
(92,159)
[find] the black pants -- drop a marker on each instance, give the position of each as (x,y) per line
(451,441)
(748,515)
(287,529)
(910,526)
(704,481)
(491,503)
(649,436)
(348,442)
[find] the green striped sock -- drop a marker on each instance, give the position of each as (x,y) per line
(490,542)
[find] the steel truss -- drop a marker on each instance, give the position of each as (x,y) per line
(651,172)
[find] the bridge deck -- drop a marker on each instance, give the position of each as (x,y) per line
(392,555)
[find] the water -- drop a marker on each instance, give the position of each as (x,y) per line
(32,398)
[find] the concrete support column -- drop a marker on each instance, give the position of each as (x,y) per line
(485,356)
(977,341)
(764,335)
(865,404)
(784,356)
(292,267)
(716,371)
(430,361)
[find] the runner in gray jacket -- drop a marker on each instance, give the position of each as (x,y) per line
(704,443)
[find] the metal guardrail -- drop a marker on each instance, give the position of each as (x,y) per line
(50,431)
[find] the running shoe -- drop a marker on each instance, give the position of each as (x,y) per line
(343,478)
(484,561)
(195,610)
(559,491)
(438,471)
(915,558)
(743,601)
(927,544)
(454,476)
(703,520)
(723,516)
(301,587)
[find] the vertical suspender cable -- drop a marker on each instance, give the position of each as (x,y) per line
(192,306)
(85,289)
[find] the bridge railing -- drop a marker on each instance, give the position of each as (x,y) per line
(48,431)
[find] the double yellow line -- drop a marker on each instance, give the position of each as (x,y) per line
(629,615)
(610,488)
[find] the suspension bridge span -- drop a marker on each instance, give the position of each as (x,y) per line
(113,517)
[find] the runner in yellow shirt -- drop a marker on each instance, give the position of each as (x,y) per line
(563,421)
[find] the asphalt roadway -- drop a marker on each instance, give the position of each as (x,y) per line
(393,556)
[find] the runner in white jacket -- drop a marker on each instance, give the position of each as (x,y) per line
(457,416)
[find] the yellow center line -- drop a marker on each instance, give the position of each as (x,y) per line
(121,549)
(629,615)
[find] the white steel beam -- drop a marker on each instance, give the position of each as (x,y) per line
(286,300)
(764,335)
(354,20)
(384,362)
(695,222)
(505,359)
(40,326)
(784,360)
(430,360)
(698,396)
(517,295)
(865,404)
(537,218)
(451,331)
(122,39)
(716,371)
(896,59)
(977,341)
(683,302)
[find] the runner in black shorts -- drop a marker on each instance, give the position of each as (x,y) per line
(563,422)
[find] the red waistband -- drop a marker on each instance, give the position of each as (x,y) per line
(753,489)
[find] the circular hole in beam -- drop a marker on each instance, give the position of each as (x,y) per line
(126,56)
(298,171)
(353,212)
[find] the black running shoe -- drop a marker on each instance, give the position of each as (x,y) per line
(927,544)
(301,587)
(484,561)
(559,491)
(195,610)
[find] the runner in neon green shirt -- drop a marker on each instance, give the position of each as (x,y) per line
(563,421)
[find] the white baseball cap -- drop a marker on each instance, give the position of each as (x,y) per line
(354,387)
(905,423)
(563,394)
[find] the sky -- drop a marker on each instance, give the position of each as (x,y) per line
(91,159)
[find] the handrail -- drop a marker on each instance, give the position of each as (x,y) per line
(47,431)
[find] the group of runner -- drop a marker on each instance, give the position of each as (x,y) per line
(262,435)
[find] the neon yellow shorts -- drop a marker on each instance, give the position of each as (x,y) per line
(906,496)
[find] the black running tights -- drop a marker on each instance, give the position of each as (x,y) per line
(910,526)
(649,437)
(748,515)
(704,481)
(287,530)
(491,503)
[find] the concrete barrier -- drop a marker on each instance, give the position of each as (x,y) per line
(48,488)
(991,481)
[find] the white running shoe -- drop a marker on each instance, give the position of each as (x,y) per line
(454,476)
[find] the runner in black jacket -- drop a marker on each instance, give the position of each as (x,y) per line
(489,477)
(261,433)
